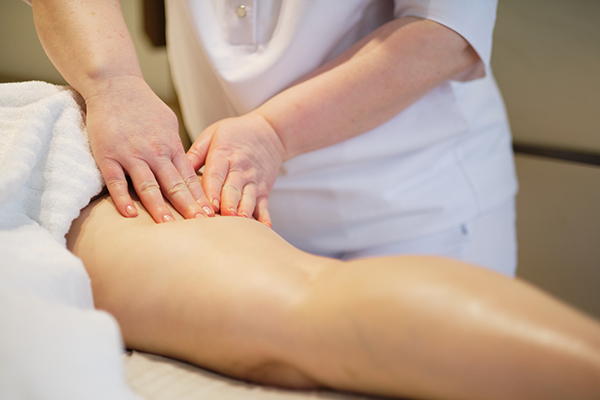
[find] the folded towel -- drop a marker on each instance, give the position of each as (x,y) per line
(53,343)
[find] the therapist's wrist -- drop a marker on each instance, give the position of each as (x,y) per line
(271,134)
(108,84)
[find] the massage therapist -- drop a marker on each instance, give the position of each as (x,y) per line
(354,128)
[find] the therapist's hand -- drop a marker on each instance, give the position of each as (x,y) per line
(242,156)
(131,131)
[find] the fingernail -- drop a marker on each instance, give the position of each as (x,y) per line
(215,203)
(131,211)
(167,218)
(243,215)
(232,211)
(209,211)
(199,215)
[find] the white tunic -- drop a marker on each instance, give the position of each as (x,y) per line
(439,163)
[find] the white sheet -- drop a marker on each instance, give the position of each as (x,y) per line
(160,378)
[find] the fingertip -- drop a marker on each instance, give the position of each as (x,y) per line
(208,211)
(125,206)
(213,196)
(118,189)
(167,218)
(215,204)
(131,211)
(264,218)
(262,212)
(266,221)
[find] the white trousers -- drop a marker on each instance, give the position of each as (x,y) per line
(489,240)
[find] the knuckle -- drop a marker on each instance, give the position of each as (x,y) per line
(245,164)
(148,186)
(213,175)
(194,151)
(264,189)
(191,180)
(116,183)
(249,192)
(232,188)
(161,150)
(176,188)
(178,153)
(122,198)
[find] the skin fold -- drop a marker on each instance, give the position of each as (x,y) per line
(230,295)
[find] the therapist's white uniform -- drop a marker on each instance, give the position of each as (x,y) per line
(436,179)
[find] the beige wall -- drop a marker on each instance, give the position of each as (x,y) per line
(547,62)
(559,229)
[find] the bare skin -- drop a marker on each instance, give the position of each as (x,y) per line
(230,295)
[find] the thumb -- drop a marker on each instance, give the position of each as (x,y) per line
(197,152)
(199,149)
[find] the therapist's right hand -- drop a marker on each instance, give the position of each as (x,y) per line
(132,132)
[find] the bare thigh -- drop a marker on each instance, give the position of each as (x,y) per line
(229,294)
(219,292)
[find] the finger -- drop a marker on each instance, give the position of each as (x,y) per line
(149,192)
(231,194)
(261,213)
(116,183)
(198,151)
(191,180)
(175,189)
(213,178)
(248,201)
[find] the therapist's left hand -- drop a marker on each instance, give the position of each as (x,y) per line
(242,156)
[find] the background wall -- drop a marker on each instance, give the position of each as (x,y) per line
(547,62)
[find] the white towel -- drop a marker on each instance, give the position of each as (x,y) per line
(53,344)
(46,168)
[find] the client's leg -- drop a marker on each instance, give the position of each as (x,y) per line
(228,294)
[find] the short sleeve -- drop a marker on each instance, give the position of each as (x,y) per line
(472,19)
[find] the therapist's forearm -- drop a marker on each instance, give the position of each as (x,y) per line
(131,131)
(367,85)
(87,41)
